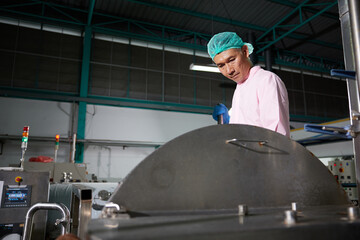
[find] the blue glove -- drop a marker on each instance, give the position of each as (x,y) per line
(220,109)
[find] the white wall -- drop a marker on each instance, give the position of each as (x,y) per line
(45,118)
(48,118)
(118,123)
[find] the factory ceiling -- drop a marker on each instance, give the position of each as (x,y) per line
(301,33)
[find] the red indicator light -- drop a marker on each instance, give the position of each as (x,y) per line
(334,164)
(18,179)
(26,129)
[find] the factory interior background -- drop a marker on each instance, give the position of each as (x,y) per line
(106,116)
(117,74)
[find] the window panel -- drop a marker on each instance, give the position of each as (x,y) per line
(69,76)
(8,40)
(48,73)
(203,91)
(155,59)
(6,68)
(186,89)
(171,88)
(137,88)
(154,86)
(120,54)
(119,81)
(171,62)
(26,71)
(100,80)
(138,57)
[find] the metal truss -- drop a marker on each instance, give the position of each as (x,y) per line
(46,12)
(276,32)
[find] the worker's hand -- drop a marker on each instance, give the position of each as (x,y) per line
(220,109)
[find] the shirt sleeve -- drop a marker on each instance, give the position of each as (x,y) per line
(274,105)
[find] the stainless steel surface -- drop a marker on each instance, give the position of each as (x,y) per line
(77,170)
(80,209)
(83,202)
(290,217)
(199,170)
(104,195)
(350,38)
(64,221)
(320,223)
(353,213)
(39,181)
(354,8)
(243,209)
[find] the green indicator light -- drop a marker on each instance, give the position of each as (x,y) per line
(24,139)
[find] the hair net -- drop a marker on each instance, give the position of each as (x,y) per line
(224,41)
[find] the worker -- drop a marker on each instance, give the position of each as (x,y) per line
(260,97)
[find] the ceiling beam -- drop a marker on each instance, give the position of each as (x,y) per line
(307,9)
(151,32)
(200,15)
(278,25)
(91,11)
(297,36)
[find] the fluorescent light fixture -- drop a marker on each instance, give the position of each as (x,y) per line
(204,68)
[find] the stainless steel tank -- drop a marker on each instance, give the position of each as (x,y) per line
(195,185)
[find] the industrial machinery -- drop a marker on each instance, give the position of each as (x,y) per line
(344,172)
(24,195)
(85,202)
(229,182)
(19,190)
(59,172)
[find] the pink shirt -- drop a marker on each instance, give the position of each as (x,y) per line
(261,100)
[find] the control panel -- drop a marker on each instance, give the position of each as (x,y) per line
(19,190)
(16,196)
(344,172)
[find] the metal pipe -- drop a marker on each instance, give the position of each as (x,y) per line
(64,221)
(349,59)
(355,25)
(221,119)
(73,149)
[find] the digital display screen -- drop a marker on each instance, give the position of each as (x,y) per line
(16,196)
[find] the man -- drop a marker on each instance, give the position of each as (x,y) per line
(260,97)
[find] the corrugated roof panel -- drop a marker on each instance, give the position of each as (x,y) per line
(246,16)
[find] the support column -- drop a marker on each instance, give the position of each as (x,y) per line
(352,86)
(84,85)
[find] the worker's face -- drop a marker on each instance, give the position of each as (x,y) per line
(234,63)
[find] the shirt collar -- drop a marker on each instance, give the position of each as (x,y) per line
(252,72)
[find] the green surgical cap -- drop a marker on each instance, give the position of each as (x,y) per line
(223,41)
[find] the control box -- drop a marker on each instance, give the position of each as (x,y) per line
(344,172)
(19,190)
